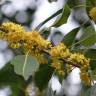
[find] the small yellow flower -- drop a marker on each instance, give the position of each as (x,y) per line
(13,45)
(11,27)
(35,39)
(54,53)
(65,53)
(85,79)
(13,33)
(79,58)
(41,59)
(59,51)
(69,68)
(92,13)
(56,64)
(61,72)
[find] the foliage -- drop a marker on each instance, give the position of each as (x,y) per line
(41,59)
(9,77)
(25,65)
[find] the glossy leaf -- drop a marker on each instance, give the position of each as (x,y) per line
(71,3)
(88,38)
(91,3)
(88,3)
(63,17)
(75,3)
(93,64)
(43,76)
(9,78)
(70,37)
(91,53)
(48,19)
(25,66)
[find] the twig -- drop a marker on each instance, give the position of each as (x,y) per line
(64,60)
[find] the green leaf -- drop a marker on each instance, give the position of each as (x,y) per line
(43,76)
(63,18)
(93,64)
(91,3)
(9,78)
(93,77)
(92,74)
(48,19)
(25,65)
(91,53)
(52,1)
(71,3)
(88,38)
(89,92)
(70,37)
(76,3)
(45,33)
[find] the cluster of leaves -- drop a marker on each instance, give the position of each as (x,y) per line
(26,65)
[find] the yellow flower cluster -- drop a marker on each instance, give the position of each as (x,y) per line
(12,33)
(58,52)
(92,13)
(58,66)
(17,37)
(36,44)
(33,40)
(79,58)
(85,78)
(61,52)
(83,62)
(12,27)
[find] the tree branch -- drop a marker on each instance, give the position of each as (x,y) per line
(64,60)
